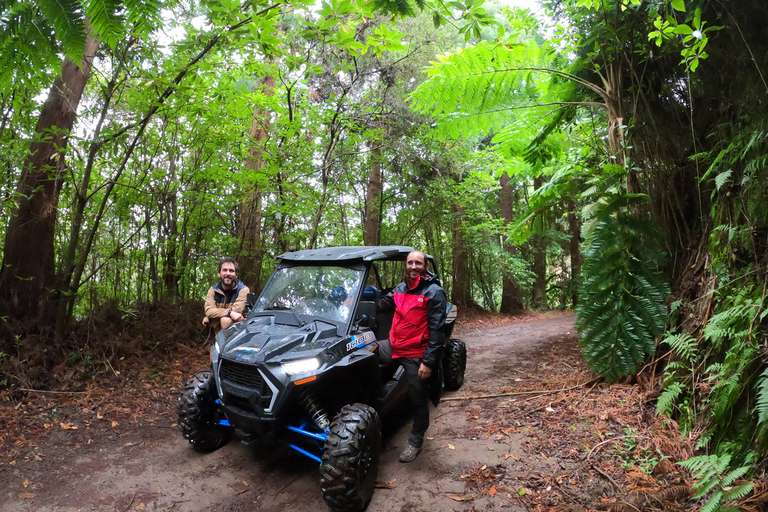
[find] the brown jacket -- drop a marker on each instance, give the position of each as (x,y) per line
(220,301)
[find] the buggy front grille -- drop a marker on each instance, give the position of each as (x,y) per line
(241,374)
(245,382)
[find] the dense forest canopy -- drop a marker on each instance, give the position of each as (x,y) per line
(609,157)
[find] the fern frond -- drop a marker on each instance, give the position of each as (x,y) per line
(68,20)
(738,492)
(734,475)
(667,398)
(714,502)
(762,398)
(105,19)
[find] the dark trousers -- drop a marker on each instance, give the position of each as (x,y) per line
(419,392)
(417,389)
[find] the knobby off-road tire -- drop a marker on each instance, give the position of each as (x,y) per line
(351,458)
(454,364)
(198,414)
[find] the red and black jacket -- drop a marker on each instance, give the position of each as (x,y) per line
(417,327)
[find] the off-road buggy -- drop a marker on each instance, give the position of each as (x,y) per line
(303,368)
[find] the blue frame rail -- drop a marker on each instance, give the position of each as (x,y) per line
(317,439)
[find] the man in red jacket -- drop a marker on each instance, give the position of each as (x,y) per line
(416,338)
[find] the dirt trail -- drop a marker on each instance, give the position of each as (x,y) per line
(150,467)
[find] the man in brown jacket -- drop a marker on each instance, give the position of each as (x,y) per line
(226,299)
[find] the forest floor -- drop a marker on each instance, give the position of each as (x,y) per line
(531,429)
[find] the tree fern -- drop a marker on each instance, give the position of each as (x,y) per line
(623,295)
(108,19)
(68,21)
(105,19)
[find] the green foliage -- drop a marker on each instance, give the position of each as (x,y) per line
(713,479)
(728,361)
(623,293)
(475,89)
(668,397)
(67,18)
(632,454)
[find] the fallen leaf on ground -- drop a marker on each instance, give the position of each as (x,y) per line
(382,485)
(26,495)
(508,455)
(128,445)
(493,491)
(392,481)
(140,506)
(490,448)
(449,446)
(26,483)
(462,498)
(241,492)
(114,423)
(67,426)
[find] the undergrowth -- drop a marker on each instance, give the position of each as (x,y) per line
(716,376)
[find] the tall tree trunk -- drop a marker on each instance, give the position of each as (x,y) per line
(171,273)
(460,291)
(511,295)
(249,224)
(575,251)
(538,243)
(153,281)
(373,200)
(314,232)
(28,273)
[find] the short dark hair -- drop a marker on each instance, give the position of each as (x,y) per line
(228,259)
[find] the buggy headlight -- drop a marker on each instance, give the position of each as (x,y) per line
(301,366)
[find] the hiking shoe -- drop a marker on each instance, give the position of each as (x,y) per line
(409,453)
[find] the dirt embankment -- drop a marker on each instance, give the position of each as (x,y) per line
(537,432)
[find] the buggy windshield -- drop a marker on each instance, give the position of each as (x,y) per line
(322,291)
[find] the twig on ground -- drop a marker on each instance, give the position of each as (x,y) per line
(55,392)
(606,476)
(133,498)
(106,361)
(585,395)
(499,395)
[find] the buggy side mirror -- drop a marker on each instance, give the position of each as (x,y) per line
(250,301)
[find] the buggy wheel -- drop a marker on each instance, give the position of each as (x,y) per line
(198,414)
(351,458)
(454,364)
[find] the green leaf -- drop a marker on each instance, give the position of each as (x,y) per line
(678,5)
(722,178)
(683,29)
